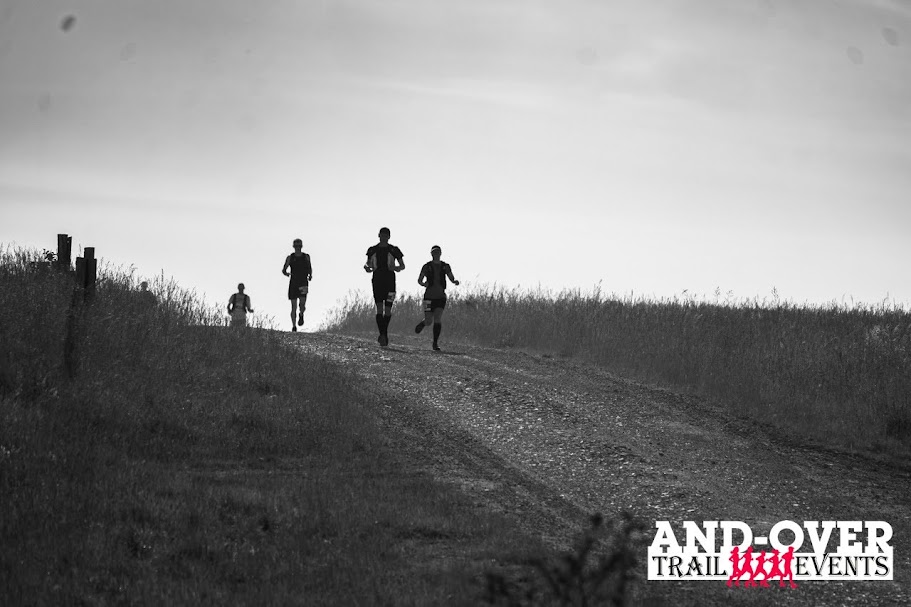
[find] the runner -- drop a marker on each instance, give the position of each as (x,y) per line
(301,274)
(147,299)
(238,306)
(433,278)
(384,260)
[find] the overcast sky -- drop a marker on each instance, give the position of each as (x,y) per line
(656,146)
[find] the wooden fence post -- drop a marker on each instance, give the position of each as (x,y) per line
(80,273)
(91,273)
(64,251)
(83,292)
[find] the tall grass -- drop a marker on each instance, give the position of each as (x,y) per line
(834,373)
(177,462)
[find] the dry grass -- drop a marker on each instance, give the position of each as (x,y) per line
(179,462)
(837,374)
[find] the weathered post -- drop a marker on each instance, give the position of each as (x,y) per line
(64,245)
(64,251)
(91,273)
(83,292)
(80,273)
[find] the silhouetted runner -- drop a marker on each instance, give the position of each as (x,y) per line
(433,278)
(775,570)
(384,260)
(747,567)
(760,569)
(301,274)
(238,306)
(146,298)
(738,570)
(734,578)
(788,560)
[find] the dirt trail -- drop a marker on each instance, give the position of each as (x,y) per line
(550,440)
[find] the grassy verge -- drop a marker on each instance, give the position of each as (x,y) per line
(175,462)
(836,374)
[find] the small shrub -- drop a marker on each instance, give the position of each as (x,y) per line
(598,572)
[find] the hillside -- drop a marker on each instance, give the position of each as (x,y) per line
(149,454)
(545,439)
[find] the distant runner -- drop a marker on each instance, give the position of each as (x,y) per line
(301,274)
(238,306)
(384,260)
(147,298)
(433,278)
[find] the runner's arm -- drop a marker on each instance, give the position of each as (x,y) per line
(422,277)
(451,277)
(285,267)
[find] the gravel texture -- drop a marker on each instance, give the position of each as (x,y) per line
(550,441)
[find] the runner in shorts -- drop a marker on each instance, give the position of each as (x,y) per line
(301,273)
(238,306)
(433,279)
(384,260)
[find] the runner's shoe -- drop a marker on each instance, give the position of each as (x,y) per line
(436,347)
(384,340)
(419,327)
(294,328)
(300,319)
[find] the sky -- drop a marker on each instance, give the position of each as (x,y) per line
(655,147)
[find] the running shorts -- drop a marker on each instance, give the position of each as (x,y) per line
(383,293)
(438,303)
(296,291)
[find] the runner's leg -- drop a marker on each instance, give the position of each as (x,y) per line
(387,316)
(379,297)
(437,326)
(428,317)
(378,301)
(303,306)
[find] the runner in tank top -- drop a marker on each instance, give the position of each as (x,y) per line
(433,279)
(383,261)
(301,273)
(238,306)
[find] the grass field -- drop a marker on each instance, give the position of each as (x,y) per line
(185,463)
(836,374)
(150,454)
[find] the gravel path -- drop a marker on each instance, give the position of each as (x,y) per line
(551,440)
